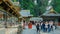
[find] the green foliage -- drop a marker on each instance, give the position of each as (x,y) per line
(14,0)
(40,8)
(28,5)
(57,5)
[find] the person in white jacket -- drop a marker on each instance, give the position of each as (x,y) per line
(46,26)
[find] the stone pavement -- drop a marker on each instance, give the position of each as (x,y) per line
(26,31)
(11,31)
(52,32)
(2,30)
(29,31)
(33,31)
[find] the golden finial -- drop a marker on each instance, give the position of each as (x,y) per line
(52,10)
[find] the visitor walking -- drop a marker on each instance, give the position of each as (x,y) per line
(46,26)
(37,27)
(23,24)
(43,27)
(51,25)
(30,25)
(54,27)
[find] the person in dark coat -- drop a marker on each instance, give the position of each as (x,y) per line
(37,27)
(43,27)
(49,28)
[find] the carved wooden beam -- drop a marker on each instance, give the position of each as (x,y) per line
(8,6)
